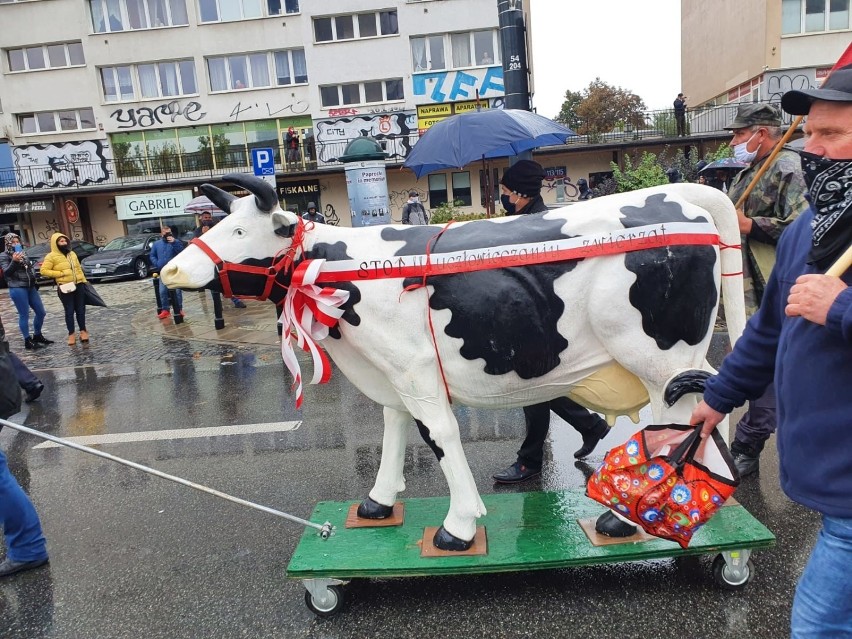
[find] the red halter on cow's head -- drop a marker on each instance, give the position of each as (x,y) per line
(236,272)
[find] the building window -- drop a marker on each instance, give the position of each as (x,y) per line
(461,188)
(362,93)
(454,50)
(232,10)
(47,56)
(438,189)
(55,121)
(357,25)
(130,15)
(814,16)
(281,7)
(257,70)
(148,81)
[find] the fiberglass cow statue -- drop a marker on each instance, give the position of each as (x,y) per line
(491,313)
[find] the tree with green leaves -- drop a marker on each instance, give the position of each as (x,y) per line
(600,108)
(568,114)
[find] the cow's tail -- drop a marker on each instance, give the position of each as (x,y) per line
(721,209)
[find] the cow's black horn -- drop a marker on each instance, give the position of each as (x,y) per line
(264,194)
(220,198)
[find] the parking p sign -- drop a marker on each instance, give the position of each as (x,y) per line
(263,161)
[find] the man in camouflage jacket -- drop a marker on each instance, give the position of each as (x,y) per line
(776,200)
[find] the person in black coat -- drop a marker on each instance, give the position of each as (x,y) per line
(521,195)
(21,279)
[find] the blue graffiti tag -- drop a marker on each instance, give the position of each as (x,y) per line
(491,84)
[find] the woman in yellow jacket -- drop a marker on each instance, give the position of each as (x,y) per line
(63,265)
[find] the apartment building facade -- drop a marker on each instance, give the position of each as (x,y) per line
(112,101)
(734,51)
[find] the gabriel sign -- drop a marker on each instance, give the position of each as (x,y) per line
(159,204)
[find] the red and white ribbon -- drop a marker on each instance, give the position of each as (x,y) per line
(307,314)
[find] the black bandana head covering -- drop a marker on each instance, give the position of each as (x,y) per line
(830,192)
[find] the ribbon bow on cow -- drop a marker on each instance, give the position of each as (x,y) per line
(308,312)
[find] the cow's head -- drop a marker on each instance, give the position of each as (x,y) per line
(242,253)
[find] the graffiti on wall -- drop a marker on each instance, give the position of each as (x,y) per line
(67,164)
(449,86)
(162,114)
(250,110)
(330,215)
(777,84)
(394,131)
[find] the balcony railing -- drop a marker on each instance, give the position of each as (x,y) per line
(169,165)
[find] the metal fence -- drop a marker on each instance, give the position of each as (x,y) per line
(171,165)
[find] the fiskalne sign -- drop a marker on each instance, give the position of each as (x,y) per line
(159,204)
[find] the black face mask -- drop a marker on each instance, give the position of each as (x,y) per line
(830,194)
(64,249)
(510,208)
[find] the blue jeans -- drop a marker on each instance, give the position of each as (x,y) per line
(822,607)
(24,299)
(165,300)
(24,538)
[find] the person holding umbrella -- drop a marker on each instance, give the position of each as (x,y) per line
(776,200)
(521,195)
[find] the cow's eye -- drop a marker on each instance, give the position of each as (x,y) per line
(239,232)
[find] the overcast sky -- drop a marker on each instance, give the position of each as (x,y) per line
(628,43)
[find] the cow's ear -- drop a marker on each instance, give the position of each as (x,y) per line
(284,223)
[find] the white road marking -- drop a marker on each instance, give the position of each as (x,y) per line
(178,433)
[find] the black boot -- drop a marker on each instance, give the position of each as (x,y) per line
(591,439)
(31,345)
(38,338)
(746,458)
(611,526)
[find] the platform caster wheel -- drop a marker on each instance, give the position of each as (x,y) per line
(732,578)
(328,605)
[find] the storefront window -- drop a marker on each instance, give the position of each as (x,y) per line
(196,148)
(232,155)
(163,152)
(263,134)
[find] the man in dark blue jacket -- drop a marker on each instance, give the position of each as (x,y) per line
(802,338)
(164,250)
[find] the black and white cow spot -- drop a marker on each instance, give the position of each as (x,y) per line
(336,252)
(675,290)
(506,317)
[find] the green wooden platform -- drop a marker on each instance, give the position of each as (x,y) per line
(526,531)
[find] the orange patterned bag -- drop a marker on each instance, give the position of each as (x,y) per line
(667,480)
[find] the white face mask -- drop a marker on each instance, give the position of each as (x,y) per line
(741,152)
(414,198)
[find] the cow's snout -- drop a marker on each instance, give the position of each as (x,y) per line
(170,275)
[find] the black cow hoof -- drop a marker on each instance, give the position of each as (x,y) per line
(370,509)
(446,541)
(611,526)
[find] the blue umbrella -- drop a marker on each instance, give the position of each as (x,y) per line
(493,133)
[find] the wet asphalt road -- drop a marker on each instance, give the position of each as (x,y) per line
(136,556)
